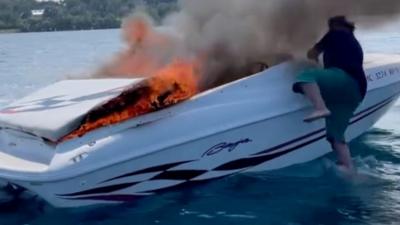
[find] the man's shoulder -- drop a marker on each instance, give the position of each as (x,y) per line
(340,33)
(341,38)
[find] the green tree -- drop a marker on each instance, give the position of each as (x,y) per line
(76,14)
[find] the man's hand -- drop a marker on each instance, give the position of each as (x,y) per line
(313,54)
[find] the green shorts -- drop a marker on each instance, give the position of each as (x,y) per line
(341,94)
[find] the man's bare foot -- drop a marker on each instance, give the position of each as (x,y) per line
(345,169)
(316,115)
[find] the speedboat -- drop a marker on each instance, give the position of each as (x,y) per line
(249,125)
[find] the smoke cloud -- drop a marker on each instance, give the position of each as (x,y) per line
(229,35)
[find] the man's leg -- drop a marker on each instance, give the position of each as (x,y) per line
(312,92)
(343,155)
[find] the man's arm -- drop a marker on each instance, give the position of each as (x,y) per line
(313,54)
(315,51)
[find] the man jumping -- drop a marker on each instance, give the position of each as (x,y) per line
(338,89)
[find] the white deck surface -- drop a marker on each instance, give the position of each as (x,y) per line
(54,111)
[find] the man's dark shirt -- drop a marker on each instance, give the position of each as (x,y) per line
(342,50)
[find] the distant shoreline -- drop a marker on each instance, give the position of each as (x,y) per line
(8,31)
(19,16)
(14,31)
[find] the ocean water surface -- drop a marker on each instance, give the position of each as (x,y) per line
(306,194)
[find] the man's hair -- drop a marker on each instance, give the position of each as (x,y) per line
(341,21)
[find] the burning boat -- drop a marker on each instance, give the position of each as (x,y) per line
(86,142)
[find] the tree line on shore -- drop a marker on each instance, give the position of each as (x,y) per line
(76,14)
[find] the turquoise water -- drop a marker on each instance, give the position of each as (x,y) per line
(303,195)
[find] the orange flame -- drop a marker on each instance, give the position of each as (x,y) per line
(175,83)
(182,74)
(147,51)
(152,54)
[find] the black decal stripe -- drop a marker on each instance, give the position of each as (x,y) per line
(109,198)
(179,175)
(373,111)
(376,105)
(101,190)
(255,161)
(234,165)
(160,168)
(249,162)
(386,101)
(171,165)
(290,142)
